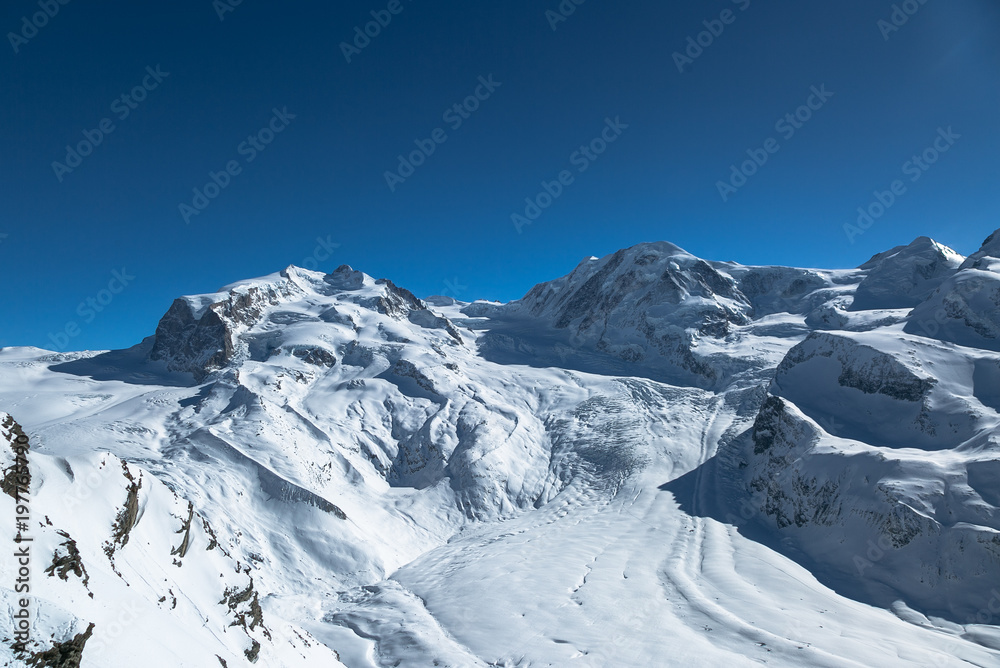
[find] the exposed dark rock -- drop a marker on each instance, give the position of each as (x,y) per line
(397,302)
(16,477)
(127,518)
(315,356)
(71,562)
(213,542)
(253,652)
(283,490)
(199,342)
(67,654)
(182,549)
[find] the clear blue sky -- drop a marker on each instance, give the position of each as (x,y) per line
(450,221)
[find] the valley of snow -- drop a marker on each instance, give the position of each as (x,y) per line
(655,460)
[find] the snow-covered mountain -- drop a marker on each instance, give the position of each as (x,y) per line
(655,460)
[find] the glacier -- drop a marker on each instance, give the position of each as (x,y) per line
(655,460)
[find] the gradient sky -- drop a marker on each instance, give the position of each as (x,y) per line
(448,228)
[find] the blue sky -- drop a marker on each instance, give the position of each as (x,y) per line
(274,83)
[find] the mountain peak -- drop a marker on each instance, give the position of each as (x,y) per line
(905,275)
(989,249)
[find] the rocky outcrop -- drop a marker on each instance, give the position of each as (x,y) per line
(784,490)
(314,355)
(68,560)
(128,516)
(16,477)
(199,338)
(397,302)
(67,654)
(860,367)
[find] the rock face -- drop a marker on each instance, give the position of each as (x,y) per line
(198,338)
(905,276)
(776,479)
(67,654)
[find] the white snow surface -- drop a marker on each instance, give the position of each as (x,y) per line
(653,461)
